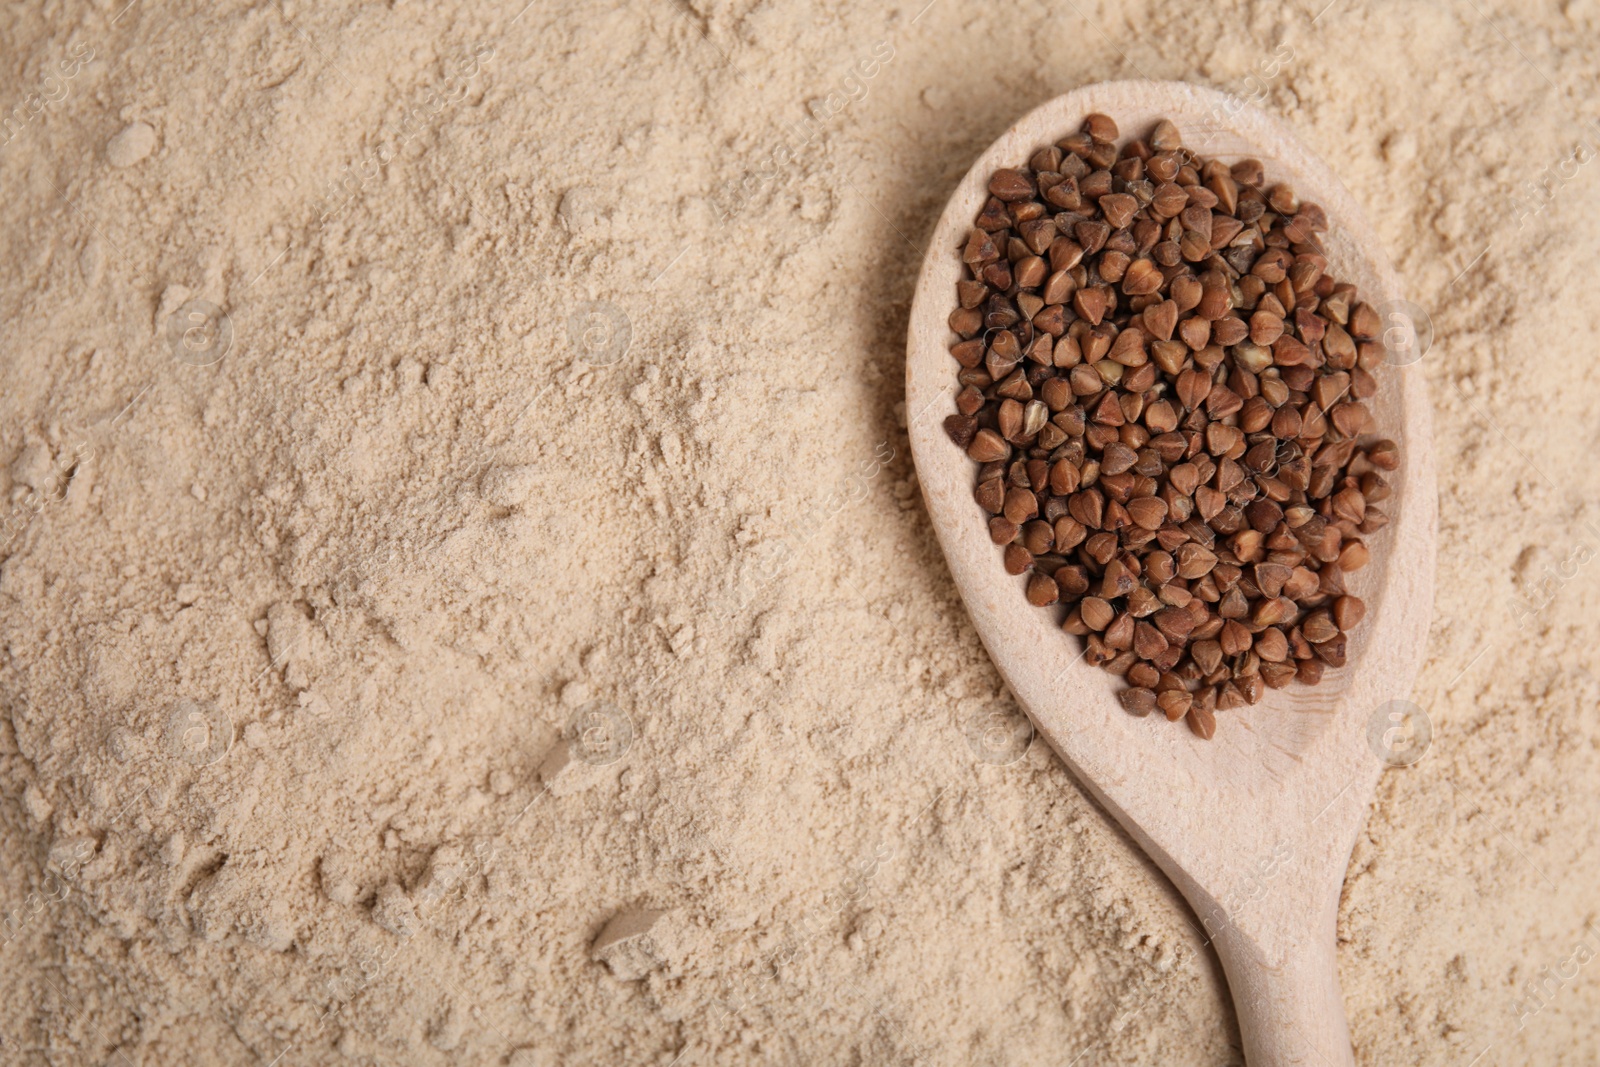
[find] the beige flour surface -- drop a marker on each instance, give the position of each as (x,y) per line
(465,596)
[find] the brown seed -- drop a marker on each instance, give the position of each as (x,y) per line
(1088,507)
(1090,304)
(1384,455)
(1349,505)
(1195,561)
(1333,652)
(1092,234)
(1202,721)
(1065,195)
(966,321)
(1005,346)
(1209,503)
(1148,642)
(1042,590)
(1263,515)
(1208,654)
(1129,348)
(1353,556)
(961,429)
(1096,654)
(1070,533)
(1065,254)
(1175,703)
(1038,537)
(1117,581)
(1021,505)
(968,353)
(1374,487)
(988,447)
(1140,702)
(1248,172)
(1255,415)
(1222,402)
(1271,576)
(1281,199)
(1096,612)
(1175,623)
(1168,200)
(1030,272)
(1118,209)
(1160,417)
(993,218)
(1186,292)
(1276,675)
(1302,583)
(1142,277)
(1215,301)
(1148,512)
(990,495)
(1119,635)
(1193,387)
(1100,128)
(1195,332)
(1364,323)
(1229,330)
(1009,419)
(1348,611)
(1034,417)
(1272,645)
(1250,688)
(1011,185)
(1319,627)
(1272,611)
(1101,547)
(1160,320)
(1350,418)
(1117,458)
(1184,478)
(980,249)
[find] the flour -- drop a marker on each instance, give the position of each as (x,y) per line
(500,625)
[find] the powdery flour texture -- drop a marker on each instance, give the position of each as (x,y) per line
(465,597)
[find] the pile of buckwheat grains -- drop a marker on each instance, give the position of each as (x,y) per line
(1164,391)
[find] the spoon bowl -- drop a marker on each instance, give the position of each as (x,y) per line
(1255,826)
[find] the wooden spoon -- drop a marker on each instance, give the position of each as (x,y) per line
(1255,827)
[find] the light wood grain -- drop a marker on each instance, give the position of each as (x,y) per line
(1292,775)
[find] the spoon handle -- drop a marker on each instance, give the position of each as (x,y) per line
(1289,1006)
